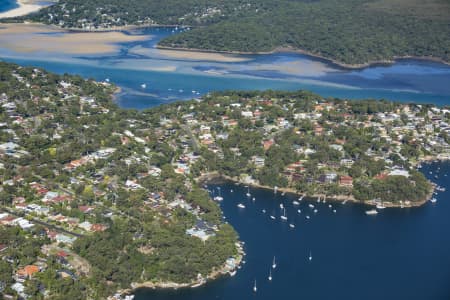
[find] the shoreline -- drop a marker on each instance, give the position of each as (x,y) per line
(214,176)
(327,60)
(330,61)
(25,7)
(213,275)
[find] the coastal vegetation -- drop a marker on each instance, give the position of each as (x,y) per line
(96,199)
(350,32)
(99,228)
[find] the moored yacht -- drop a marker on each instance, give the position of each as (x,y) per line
(371,212)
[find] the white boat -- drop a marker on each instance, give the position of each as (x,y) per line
(292,225)
(248,192)
(371,212)
(275,189)
(311,206)
(254,199)
(264,211)
(107,80)
(295,202)
(254,287)
(318,199)
(219,197)
(301,198)
(143,86)
(274,263)
(310,256)
(307,217)
(270,274)
(380,206)
(283,217)
(315,211)
(283,193)
(232,273)
(329,205)
(334,211)
(240,205)
(299,211)
(281,205)
(433,200)
(272,217)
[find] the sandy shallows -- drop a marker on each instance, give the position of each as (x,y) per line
(28,38)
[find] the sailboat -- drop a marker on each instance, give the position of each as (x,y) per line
(254,287)
(283,217)
(270,275)
(310,256)
(292,225)
(248,192)
(281,205)
(143,86)
(219,197)
(274,263)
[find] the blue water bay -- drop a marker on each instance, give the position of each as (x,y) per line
(397,254)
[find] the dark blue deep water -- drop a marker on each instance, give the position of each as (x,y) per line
(398,254)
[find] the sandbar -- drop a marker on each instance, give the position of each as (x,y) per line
(29,38)
(25,7)
(195,55)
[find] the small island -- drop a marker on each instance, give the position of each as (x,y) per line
(96,199)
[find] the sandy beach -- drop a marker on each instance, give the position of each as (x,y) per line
(29,38)
(25,7)
(194,55)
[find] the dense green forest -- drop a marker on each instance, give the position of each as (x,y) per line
(347,31)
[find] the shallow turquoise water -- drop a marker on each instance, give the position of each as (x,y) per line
(399,254)
(139,62)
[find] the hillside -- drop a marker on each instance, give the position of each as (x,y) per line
(347,31)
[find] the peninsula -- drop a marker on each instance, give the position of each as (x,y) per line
(96,199)
(350,33)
